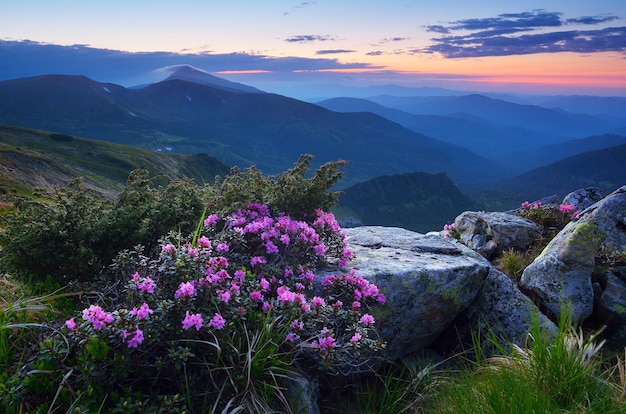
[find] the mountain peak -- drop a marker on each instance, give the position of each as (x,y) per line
(190,74)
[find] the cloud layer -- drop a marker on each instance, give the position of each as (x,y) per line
(28,58)
(537,31)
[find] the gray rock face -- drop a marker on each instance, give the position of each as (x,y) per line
(611,300)
(488,233)
(583,198)
(427,280)
(501,309)
(564,269)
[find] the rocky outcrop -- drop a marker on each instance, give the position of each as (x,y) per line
(583,198)
(427,280)
(500,312)
(443,295)
(563,272)
(491,233)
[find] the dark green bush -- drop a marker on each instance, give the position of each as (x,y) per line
(77,235)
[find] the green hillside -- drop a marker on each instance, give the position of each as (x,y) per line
(416,201)
(42,160)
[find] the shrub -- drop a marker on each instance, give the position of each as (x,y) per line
(513,263)
(551,217)
(214,321)
(77,235)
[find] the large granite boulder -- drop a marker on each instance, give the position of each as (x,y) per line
(583,198)
(500,312)
(493,232)
(563,271)
(427,280)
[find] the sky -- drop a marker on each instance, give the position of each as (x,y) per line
(308,48)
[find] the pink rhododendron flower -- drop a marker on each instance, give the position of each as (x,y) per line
(136,339)
(97,317)
(318,302)
(319,249)
(224,295)
(143,311)
(367,319)
(381,299)
(270,247)
(255,295)
(192,320)
(186,289)
(240,275)
(211,220)
(70,324)
(256,260)
(265,285)
(204,242)
(325,344)
(355,338)
(217,322)
(292,337)
(168,248)
(147,286)
(566,207)
(222,247)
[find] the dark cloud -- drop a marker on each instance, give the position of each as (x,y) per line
(524,33)
(308,38)
(26,58)
(394,39)
(610,39)
(333,51)
(301,5)
(591,19)
(375,53)
(437,29)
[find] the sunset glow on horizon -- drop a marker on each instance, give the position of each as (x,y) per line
(554,46)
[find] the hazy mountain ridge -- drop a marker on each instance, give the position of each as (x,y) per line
(242,129)
(498,111)
(603,168)
(416,201)
(46,161)
(478,135)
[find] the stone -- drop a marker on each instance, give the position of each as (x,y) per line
(583,198)
(502,312)
(562,273)
(493,232)
(302,394)
(610,308)
(428,281)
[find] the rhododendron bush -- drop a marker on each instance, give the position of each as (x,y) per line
(191,318)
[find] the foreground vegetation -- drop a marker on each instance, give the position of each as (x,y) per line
(197,299)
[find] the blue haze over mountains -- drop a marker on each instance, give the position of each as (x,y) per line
(477,140)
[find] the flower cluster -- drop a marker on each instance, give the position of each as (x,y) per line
(240,269)
(449,230)
(548,216)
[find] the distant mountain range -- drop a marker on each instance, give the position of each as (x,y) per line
(476,122)
(263,129)
(603,168)
(413,159)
